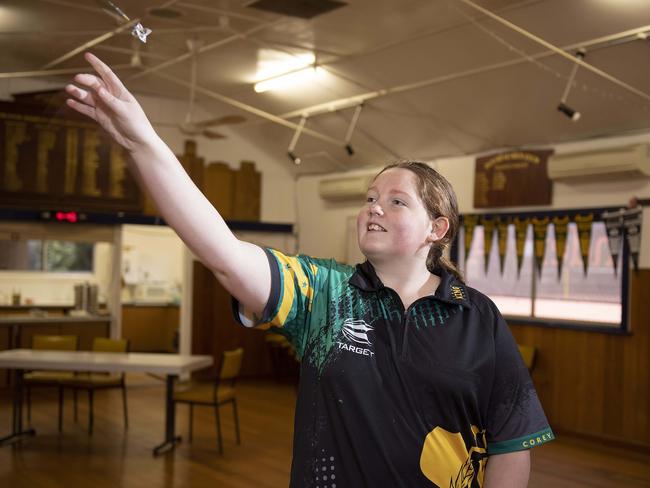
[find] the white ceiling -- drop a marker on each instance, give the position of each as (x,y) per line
(479,84)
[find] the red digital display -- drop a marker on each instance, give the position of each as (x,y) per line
(66,216)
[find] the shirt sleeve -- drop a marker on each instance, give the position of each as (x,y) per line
(293,282)
(516,420)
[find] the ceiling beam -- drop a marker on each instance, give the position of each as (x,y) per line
(252,110)
(53,72)
(347,102)
(558,50)
(222,42)
(97,40)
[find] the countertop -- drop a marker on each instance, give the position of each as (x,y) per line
(54,319)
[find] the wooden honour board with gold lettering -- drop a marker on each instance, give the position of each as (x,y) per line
(61,162)
(511,179)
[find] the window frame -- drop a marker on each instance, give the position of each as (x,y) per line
(623,328)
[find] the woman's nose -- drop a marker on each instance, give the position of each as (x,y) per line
(376,209)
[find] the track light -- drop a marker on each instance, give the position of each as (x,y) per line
(353,124)
(294,140)
(295,159)
(568,111)
(574,115)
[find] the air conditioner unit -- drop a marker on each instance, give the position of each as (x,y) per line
(348,188)
(629,161)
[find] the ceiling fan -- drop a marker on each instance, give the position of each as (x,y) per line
(202,128)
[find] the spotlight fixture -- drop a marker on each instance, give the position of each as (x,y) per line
(568,111)
(574,115)
(353,124)
(294,159)
(294,140)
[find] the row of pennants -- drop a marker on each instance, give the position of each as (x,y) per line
(621,224)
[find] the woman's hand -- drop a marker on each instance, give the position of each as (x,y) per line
(111,105)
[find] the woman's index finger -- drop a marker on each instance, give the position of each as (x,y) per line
(112,81)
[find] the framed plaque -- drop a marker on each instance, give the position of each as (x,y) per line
(61,161)
(512,179)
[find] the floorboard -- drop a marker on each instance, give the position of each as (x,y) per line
(114,457)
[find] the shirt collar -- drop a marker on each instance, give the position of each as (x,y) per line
(450,290)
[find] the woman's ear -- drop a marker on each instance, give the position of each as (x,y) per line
(439,228)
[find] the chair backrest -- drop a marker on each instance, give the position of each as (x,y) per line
(231,364)
(103,344)
(55,342)
(528,354)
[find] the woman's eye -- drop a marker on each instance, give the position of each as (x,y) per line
(398,202)
(370,199)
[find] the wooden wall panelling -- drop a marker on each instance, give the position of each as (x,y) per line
(150,328)
(594,384)
(247,193)
(214,330)
(636,361)
(219,187)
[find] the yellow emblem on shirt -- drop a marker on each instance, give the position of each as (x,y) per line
(457,292)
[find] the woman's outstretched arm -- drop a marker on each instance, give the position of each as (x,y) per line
(241,267)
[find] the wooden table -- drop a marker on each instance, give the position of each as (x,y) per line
(171,365)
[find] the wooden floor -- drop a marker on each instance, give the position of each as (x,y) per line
(113,457)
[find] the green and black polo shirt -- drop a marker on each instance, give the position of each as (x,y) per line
(398,398)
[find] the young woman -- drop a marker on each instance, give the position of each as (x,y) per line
(408,378)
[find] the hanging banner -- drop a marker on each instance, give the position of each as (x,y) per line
(469,223)
(502,234)
(514,178)
(615,231)
(632,223)
(583,222)
(488,231)
(561,225)
(521,228)
(540,228)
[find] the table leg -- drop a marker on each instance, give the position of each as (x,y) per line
(17,431)
(171,439)
(14,343)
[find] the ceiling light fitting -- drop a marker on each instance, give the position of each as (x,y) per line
(574,115)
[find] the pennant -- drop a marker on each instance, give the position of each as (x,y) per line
(488,232)
(583,222)
(502,234)
(540,227)
(561,225)
(615,231)
(469,222)
(632,223)
(521,228)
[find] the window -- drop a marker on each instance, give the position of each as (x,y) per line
(554,291)
(46,255)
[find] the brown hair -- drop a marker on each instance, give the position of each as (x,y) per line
(439,199)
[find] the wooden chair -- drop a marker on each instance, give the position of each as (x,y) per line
(34,379)
(216,393)
(100,381)
(528,354)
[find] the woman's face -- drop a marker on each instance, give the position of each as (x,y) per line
(394,222)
